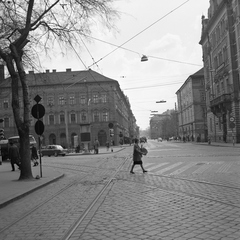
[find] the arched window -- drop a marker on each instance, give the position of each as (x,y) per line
(63,139)
(96,116)
(83,116)
(105,115)
(52,139)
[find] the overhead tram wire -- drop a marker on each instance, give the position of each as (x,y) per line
(82,61)
(164,59)
(141,32)
(151,86)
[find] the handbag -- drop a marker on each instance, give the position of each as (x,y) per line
(144,151)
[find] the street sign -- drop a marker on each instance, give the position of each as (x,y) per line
(231,119)
(38,111)
(39,127)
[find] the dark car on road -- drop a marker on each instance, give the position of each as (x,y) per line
(53,150)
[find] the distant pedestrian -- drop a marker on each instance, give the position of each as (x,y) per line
(137,156)
(34,156)
(107,145)
(14,156)
(96,146)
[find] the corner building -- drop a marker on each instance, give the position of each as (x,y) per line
(74,100)
(220,42)
(192,108)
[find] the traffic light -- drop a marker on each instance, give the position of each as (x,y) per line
(1,133)
(111,132)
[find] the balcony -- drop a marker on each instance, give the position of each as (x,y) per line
(221,104)
(224,98)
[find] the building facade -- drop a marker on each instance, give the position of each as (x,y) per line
(75,102)
(164,125)
(192,123)
(220,42)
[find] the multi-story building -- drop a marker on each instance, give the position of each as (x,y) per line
(75,102)
(220,42)
(192,108)
(163,125)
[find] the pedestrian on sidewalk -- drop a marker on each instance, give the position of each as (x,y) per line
(34,156)
(14,156)
(96,146)
(107,145)
(137,156)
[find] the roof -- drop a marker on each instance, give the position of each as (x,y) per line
(65,78)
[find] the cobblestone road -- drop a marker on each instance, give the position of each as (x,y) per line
(170,204)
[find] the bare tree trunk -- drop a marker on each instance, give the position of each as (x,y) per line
(24,122)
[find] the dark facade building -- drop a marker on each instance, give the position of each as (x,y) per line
(76,103)
(220,42)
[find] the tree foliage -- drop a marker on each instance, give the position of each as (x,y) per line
(28,27)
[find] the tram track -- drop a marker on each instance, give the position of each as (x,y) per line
(71,230)
(105,182)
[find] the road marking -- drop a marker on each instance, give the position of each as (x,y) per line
(168,168)
(224,168)
(165,149)
(182,169)
(155,166)
(203,168)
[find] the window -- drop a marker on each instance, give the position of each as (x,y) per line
(51,119)
(218,90)
(222,87)
(215,62)
(62,118)
(50,101)
(6,122)
(220,57)
(82,99)
(202,96)
(5,104)
(105,116)
(73,118)
(83,116)
(104,98)
(95,98)
(61,100)
(72,100)
(96,116)
(225,55)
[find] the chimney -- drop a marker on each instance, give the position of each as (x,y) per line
(54,70)
(2,77)
(68,69)
(47,71)
(30,72)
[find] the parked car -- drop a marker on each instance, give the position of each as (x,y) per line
(159,139)
(143,139)
(53,150)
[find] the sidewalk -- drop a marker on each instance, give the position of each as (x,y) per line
(219,144)
(11,189)
(216,144)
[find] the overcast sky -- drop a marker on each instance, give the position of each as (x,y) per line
(159,29)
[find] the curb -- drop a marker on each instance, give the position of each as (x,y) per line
(29,191)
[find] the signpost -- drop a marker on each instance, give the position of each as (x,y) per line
(232,126)
(111,134)
(38,111)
